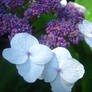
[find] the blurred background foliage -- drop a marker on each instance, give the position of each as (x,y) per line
(10,81)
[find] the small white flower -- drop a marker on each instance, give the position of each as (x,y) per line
(28,55)
(63,71)
(63,2)
(81,8)
(86,29)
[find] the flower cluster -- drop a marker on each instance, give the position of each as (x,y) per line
(61,33)
(2,10)
(12,24)
(50,65)
(36,9)
(45,57)
(65,30)
(53,4)
(43,6)
(71,13)
(13,3)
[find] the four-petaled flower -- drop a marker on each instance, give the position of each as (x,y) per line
(63,71)
(28,55)
(36,61)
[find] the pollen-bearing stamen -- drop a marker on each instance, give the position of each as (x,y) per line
(28,53)
(58,69)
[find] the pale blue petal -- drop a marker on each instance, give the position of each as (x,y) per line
(29,71)
(62,53)
(40,54)
(50,71)
(72,70)
(14,56)
(89,41)
(63,2)
(23,41)
(86,28)
(59,85)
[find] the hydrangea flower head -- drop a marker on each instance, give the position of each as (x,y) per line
(12,24)
(71,13)
(28,55)
(13,3)
(2,10)
(66,71)
(61,34)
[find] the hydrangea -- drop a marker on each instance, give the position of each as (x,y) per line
(26,53)
(12,24)
(86,30)
(42,6)
(13,3)
(2,10)
(36,10)
(70,13)
(53,4)
(47,59)
(61,33)
(63,71)
(76,5)
(65,30)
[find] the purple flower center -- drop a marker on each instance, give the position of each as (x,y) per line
(58,69)
(28,53)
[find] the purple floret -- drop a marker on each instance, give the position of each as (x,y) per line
(61,33)
(43,6)
(2,10)
(13,3)
(53,4)
(12,24)
(36,10)
(69,12)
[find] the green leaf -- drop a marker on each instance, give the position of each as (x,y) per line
(43,20)
(40,24)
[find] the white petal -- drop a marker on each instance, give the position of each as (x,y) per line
(59,85)
(41,77)
(29,71)
(86,28)
(50,71)
(88,41)
(81,8)
(62,53)
(40,54)
(63,2)
(72,70)
(23,41)
(14,56)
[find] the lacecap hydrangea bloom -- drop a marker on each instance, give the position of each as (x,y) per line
(64,30)
(62,71)
(53,66)
(45,57)
(26,53)
(61,33)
